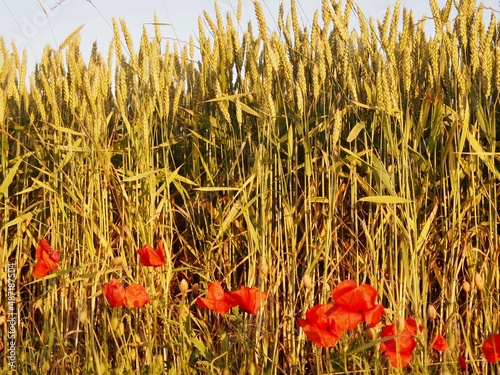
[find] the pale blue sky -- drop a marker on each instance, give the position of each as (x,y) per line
(35,23)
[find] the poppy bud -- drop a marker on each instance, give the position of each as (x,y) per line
(183,286)
(307,282)
(371,333)
(479,281)
(195,289)
(264,268)
(116,261)
(82,316)
(431,312)
(399,324)
(466,286)
(115,322)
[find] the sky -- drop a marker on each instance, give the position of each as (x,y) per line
(33,24)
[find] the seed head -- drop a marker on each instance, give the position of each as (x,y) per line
(307,282)
(479,281)
(431,312)
(371,333)
(183,286)
(466,286)
(264,268)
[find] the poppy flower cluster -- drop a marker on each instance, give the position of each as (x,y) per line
(248,299)
(47,259)
(353,304)
(324,324)
(117,295)
(135,295)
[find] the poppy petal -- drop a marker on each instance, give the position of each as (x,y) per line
(114,293)
(439,343)
(357,304)
(399,349)
(342,288)
(248,299)
(345,319)
(216,299)
(47,259)
(136,296)
(319,327)
(373,315)
(491,348)
(462,362)
(41,269)
(150,257)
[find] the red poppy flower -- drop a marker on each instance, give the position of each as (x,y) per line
(216,299)
(248,299)
(355,304)
(320,327)
(47,259)
(462,363)
(491,348)
(136,296)
(399,349)
(439,343)
(152,257)
(114,292)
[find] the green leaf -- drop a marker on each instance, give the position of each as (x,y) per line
(389,199)
(10,176)
(355,131)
